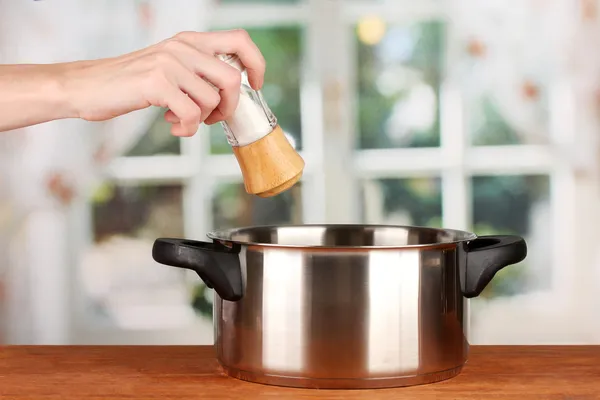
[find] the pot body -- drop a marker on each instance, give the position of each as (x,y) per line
(342,306)
(344,318)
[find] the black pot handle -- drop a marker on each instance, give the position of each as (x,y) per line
(485,256)
(216,264)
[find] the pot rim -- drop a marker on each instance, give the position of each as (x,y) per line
(226,235)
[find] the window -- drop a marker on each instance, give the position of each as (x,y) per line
(400,74)
(399,121)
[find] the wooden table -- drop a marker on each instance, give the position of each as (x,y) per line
(191,372)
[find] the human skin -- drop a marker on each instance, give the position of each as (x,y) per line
(176,74)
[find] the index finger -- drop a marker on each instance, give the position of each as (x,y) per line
(236,41)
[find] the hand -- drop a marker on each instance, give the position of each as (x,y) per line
(172,74)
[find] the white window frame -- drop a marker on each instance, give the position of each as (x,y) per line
(328,90)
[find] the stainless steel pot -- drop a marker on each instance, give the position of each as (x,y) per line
(342,306)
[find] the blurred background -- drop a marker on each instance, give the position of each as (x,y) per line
(481,115)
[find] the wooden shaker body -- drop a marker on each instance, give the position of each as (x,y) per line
(269,165)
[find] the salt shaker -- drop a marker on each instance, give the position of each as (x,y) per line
(268,162)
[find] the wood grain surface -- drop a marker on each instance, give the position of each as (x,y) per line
(270,165)
(191,372)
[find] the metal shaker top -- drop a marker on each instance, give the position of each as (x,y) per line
(233,60)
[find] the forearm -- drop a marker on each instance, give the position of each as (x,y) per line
(180,73)
(32,94)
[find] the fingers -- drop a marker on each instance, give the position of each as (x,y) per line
(194,98)
(214,117)
(200,92)
(184,109)
(231,42)
(227,79)
(224,77)
(170,117)
(204,88)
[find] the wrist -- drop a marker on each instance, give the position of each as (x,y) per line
(58,93)
(33,94)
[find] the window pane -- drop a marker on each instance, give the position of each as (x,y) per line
(141,212)
(282,48)
(233,207)
(491,123)
(515,205)
(157,140)
(508,81)
(399,76)
(123,286)
(412,201)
